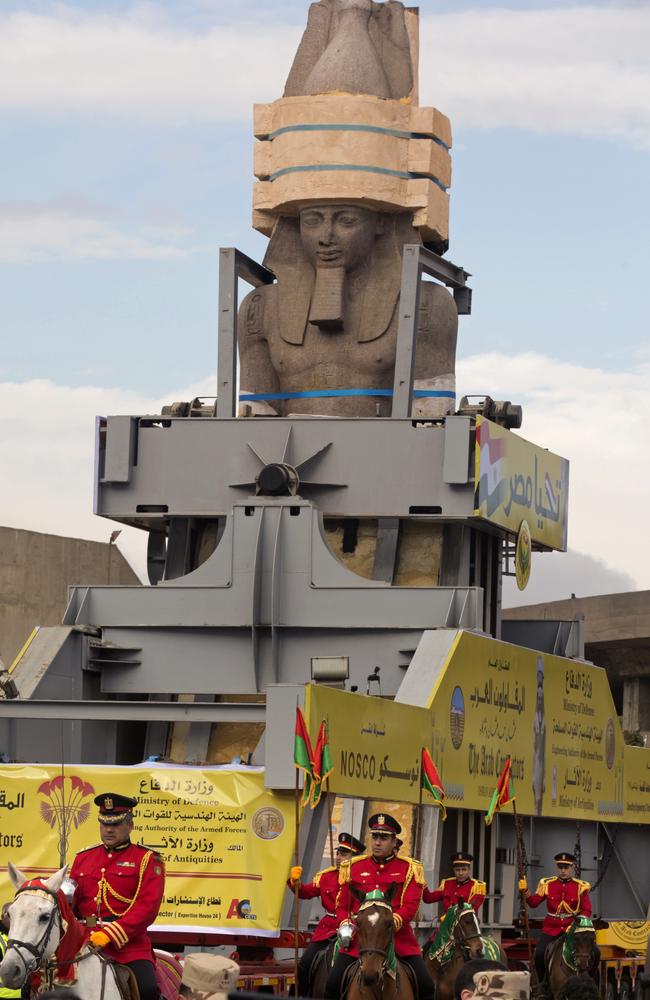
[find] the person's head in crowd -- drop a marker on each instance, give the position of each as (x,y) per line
(464,985)
(207,975)
(578,988)
(498,985)
(5,919)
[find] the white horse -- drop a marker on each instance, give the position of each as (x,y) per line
(37,929)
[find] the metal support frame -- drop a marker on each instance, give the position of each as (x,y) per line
(625,871)
(416,261)
(233,265)
(133,711)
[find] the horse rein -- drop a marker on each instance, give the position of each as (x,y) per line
(374,951)
(36,950)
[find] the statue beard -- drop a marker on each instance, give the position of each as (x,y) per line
(328,297)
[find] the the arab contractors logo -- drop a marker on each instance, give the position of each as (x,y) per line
(65,804)
(267,823)
(523,556)
(240,908)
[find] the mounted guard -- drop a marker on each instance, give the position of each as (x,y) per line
(568,906)
(325,884)
(119,889)
(374,872)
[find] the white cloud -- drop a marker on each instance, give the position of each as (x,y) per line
(57,231)
(582,69)
(137,64)
(596,419)
(47,440)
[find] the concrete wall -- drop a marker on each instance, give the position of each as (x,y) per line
(35,573)
(617,637)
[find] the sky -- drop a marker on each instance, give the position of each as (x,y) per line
(126,162)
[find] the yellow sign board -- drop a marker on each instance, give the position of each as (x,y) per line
(375,744)
(227,842)
(629,934)
(516,481)
(553,716)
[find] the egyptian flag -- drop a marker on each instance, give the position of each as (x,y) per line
(431,781)
(303,755)
(503,793)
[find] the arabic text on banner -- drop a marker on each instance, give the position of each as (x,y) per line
(517,481)
(376,744)
(227,842)
(553,716)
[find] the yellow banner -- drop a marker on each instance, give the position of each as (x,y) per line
(554,717)
(517,481)
(227,842)
(375,744)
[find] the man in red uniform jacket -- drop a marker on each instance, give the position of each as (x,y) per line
(461,887)
(119,889)
(326,885)
(566,898)
(376,871)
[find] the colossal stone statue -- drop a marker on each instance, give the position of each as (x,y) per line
(351,170)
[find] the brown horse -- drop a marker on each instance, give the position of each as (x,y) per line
(572,954)
(458,941)
(378,974)
(320,971)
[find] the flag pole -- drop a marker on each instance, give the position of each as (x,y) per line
(420,823)
(418,842)
(524,905)
(296,887)
(328,802)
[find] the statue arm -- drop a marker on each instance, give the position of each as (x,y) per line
(435,352)
(257,374)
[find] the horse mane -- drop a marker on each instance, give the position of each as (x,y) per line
(74,934)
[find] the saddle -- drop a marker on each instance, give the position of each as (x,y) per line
(126,981)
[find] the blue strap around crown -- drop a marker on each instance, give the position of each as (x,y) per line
(249,397)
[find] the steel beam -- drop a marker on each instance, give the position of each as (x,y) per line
(416,261)
(233,265)
(133,711)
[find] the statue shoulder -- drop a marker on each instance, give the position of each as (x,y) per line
(436,301)
(256,310)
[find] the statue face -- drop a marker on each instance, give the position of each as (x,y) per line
(339,235)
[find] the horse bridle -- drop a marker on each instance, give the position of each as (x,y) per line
(464,938)
(36,950)
(375,951)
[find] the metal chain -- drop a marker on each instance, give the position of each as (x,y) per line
(577,851)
